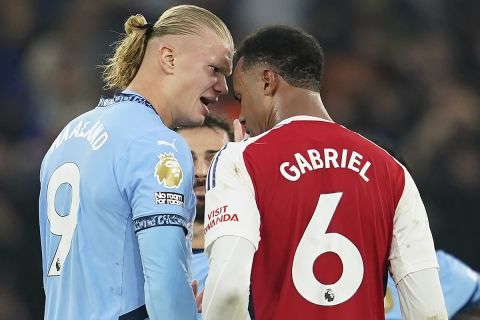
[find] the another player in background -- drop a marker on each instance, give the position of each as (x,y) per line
(460,284)
(307,212)
(116,201)
(204,142)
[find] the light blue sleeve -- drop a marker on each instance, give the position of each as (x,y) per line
(476,296)
(200,271)
(200,268)
(156,177)
(168,293)
(460,286)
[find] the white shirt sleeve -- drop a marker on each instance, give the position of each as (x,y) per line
(228,281)
(413,262)
(412,246)
(230,204)
(421,296)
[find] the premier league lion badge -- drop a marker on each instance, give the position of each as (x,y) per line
(168,171)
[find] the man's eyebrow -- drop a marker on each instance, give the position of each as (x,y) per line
(225,70)
(224,66)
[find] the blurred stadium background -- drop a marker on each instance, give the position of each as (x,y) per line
(403,72)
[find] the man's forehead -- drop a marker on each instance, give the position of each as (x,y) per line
(196,132)
(238,70)
(221,54)
(208,44)
(239,65)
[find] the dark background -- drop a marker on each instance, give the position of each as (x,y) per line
(404,72)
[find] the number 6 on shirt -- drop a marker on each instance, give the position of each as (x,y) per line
(315,241)
(63,226)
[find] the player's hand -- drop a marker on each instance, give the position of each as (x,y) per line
(198,300)
(195,288)
(238,134)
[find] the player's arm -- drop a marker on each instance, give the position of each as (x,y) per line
(421,295)
(146,177)
(232,233)
(168,294)
(413,261)
(228,281)
(460,286)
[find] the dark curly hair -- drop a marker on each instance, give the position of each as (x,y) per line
(290,52)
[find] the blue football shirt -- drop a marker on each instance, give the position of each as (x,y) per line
(200,266)
(460,286)
(116,214)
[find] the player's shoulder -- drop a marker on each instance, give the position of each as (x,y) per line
(374,148)
(233,152)
(171,141)
(166,145)
(134,120)
(378,153)
(130,116)
(228,163)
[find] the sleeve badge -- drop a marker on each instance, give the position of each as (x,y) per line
(168,171)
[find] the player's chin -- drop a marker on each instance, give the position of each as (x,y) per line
(198,116)
(194,119)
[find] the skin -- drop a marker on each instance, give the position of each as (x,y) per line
(204,143)
(266,98)
(182,74)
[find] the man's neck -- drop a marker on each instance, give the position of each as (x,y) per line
(298,101)
(143,88)
(198,241)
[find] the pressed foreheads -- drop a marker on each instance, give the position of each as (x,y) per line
(290,52)
(130,50)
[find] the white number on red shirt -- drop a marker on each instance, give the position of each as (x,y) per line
(315,241)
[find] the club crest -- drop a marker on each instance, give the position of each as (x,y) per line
(168,171)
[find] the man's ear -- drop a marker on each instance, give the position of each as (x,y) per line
(167,58)
(270,82)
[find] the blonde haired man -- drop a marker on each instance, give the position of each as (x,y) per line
(116,201)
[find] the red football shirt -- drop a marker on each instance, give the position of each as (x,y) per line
(328,212)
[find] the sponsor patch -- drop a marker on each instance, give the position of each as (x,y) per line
(168,171)
(169,198)
(157,220)
(219,215)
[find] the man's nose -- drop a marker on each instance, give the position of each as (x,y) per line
(201,168)
(221,86)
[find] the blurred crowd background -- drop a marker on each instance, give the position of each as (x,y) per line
(403,72)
